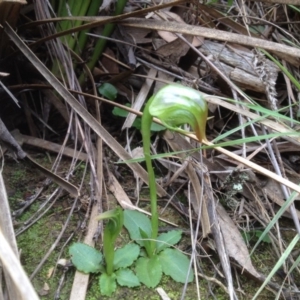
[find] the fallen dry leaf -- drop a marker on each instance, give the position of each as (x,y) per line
(234,242)
(169,36)
(50,272)
(44,290)
(175,49)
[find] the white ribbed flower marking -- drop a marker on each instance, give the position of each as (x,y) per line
(175,105)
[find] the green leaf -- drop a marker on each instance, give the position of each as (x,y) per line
(256,235)
(147,243)
(154,126)
(133,220)
(157,127)
(126,277)
(85,258)
(279,263)
(107,284)
(265,238)
(176,264)
(111,231)
(257,29)
(149,271)
(125,256)
(165,240)
(108,91)
(120,112)
(137,123)
(283,69)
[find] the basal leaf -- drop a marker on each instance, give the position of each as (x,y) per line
(107,284)
(137,123)
(157,127)
(126,277)
(147,242)
(164,240)
(108,91)
(120,112)
(149,271)
(265,238)
(85,258)
(133,220)
(125,256)
(111,231)
(176,265)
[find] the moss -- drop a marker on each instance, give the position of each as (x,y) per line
(36,241)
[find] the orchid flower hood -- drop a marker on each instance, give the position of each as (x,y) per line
(175,105)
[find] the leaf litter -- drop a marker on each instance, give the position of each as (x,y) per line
(245,72)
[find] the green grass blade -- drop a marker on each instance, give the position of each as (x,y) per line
(225,144)
(79,10)
(278,264)
(278,215)
(283,69)
(107,31)
(82,37)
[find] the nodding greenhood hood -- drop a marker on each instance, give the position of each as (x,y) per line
(175,105)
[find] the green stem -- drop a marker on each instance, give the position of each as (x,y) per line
(79,10)
(62,11)
(82,36)
(109,252)
(146,124)
(100,45)
(174,105)
(111,231)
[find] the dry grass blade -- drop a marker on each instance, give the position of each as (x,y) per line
(294,2)
(217,101)
(81,280)
(10,141)
(252,165)
(199,201)
(218,235)
(6,224)
(98,21)
(269,123)
(22,289)
(85,115)
(72,189)
(213,34)
(46,145)
(17,282)
(228,195)
(258,168)
(235,245)
(140,99)
(116,188)
(233,242)
(10,10)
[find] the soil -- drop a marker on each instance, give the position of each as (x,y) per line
(54,282)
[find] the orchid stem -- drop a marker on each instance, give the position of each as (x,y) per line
(174,105)
(146,124)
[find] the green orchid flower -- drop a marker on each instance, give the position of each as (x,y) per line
(173,105)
